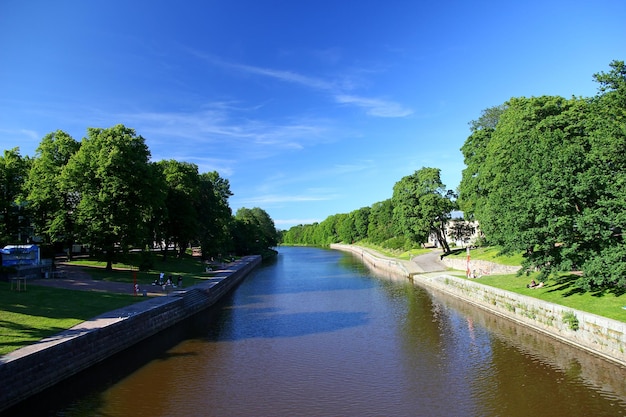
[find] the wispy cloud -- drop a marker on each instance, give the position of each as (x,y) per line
(375,107)
(336,89)
(279,199)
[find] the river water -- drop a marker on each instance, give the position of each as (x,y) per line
(315,333)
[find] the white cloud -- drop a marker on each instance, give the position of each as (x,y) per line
(375,107)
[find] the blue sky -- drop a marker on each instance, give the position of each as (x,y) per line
(308,108)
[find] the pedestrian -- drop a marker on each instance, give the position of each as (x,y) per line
(161,276)
(180,281)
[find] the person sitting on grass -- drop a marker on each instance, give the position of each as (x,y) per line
(534,285)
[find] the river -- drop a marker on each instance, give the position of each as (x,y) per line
(315,333)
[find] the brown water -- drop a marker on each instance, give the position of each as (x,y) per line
(316,334)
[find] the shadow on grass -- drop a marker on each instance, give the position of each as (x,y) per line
(568,284)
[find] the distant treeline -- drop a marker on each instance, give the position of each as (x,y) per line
(104,192)
(545,176)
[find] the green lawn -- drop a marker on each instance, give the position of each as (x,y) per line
(563,292)
(39,312)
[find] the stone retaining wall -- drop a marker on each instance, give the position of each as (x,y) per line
(480,267)
(599,335)
(34,368)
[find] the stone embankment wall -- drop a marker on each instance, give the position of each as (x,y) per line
(480,267)
(34,368)
(598,335)
(392,266)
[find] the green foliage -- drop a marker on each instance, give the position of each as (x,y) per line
(105,192)
(422,206)
(571,320)
(253,231)
(52,203)
(548,180)
(110,174)
(13,172)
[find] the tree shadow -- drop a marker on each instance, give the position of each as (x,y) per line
(567,283)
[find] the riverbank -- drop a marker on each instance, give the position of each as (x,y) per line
(32,369)
(598,335)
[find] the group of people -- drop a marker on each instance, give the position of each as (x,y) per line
(167,283)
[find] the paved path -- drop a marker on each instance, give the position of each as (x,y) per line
(429,262)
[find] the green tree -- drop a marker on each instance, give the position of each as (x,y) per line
(602,223)
(110,174)
(51,204)
(361,222)
(14,219)
(422,206)
(183,191)
(381,226)
(253,231)
(214,214)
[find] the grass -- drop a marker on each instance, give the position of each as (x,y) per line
(563,292)
(39,312)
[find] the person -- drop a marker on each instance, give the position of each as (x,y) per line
(169,280)
(180,281)
(161,276)
(532,284)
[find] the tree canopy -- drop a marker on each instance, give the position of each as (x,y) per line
(105,193)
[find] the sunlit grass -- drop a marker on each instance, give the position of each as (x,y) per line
(39,312)
(561,291)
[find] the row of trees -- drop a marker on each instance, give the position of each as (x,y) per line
(419,208)
(545,176)
(105,192)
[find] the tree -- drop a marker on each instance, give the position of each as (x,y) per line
(529,187)
(422,206)
(14,218)
(183,190)
(110,174)
(52,204)
(381,226)
(603,223)
(214,214)
(253,231)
